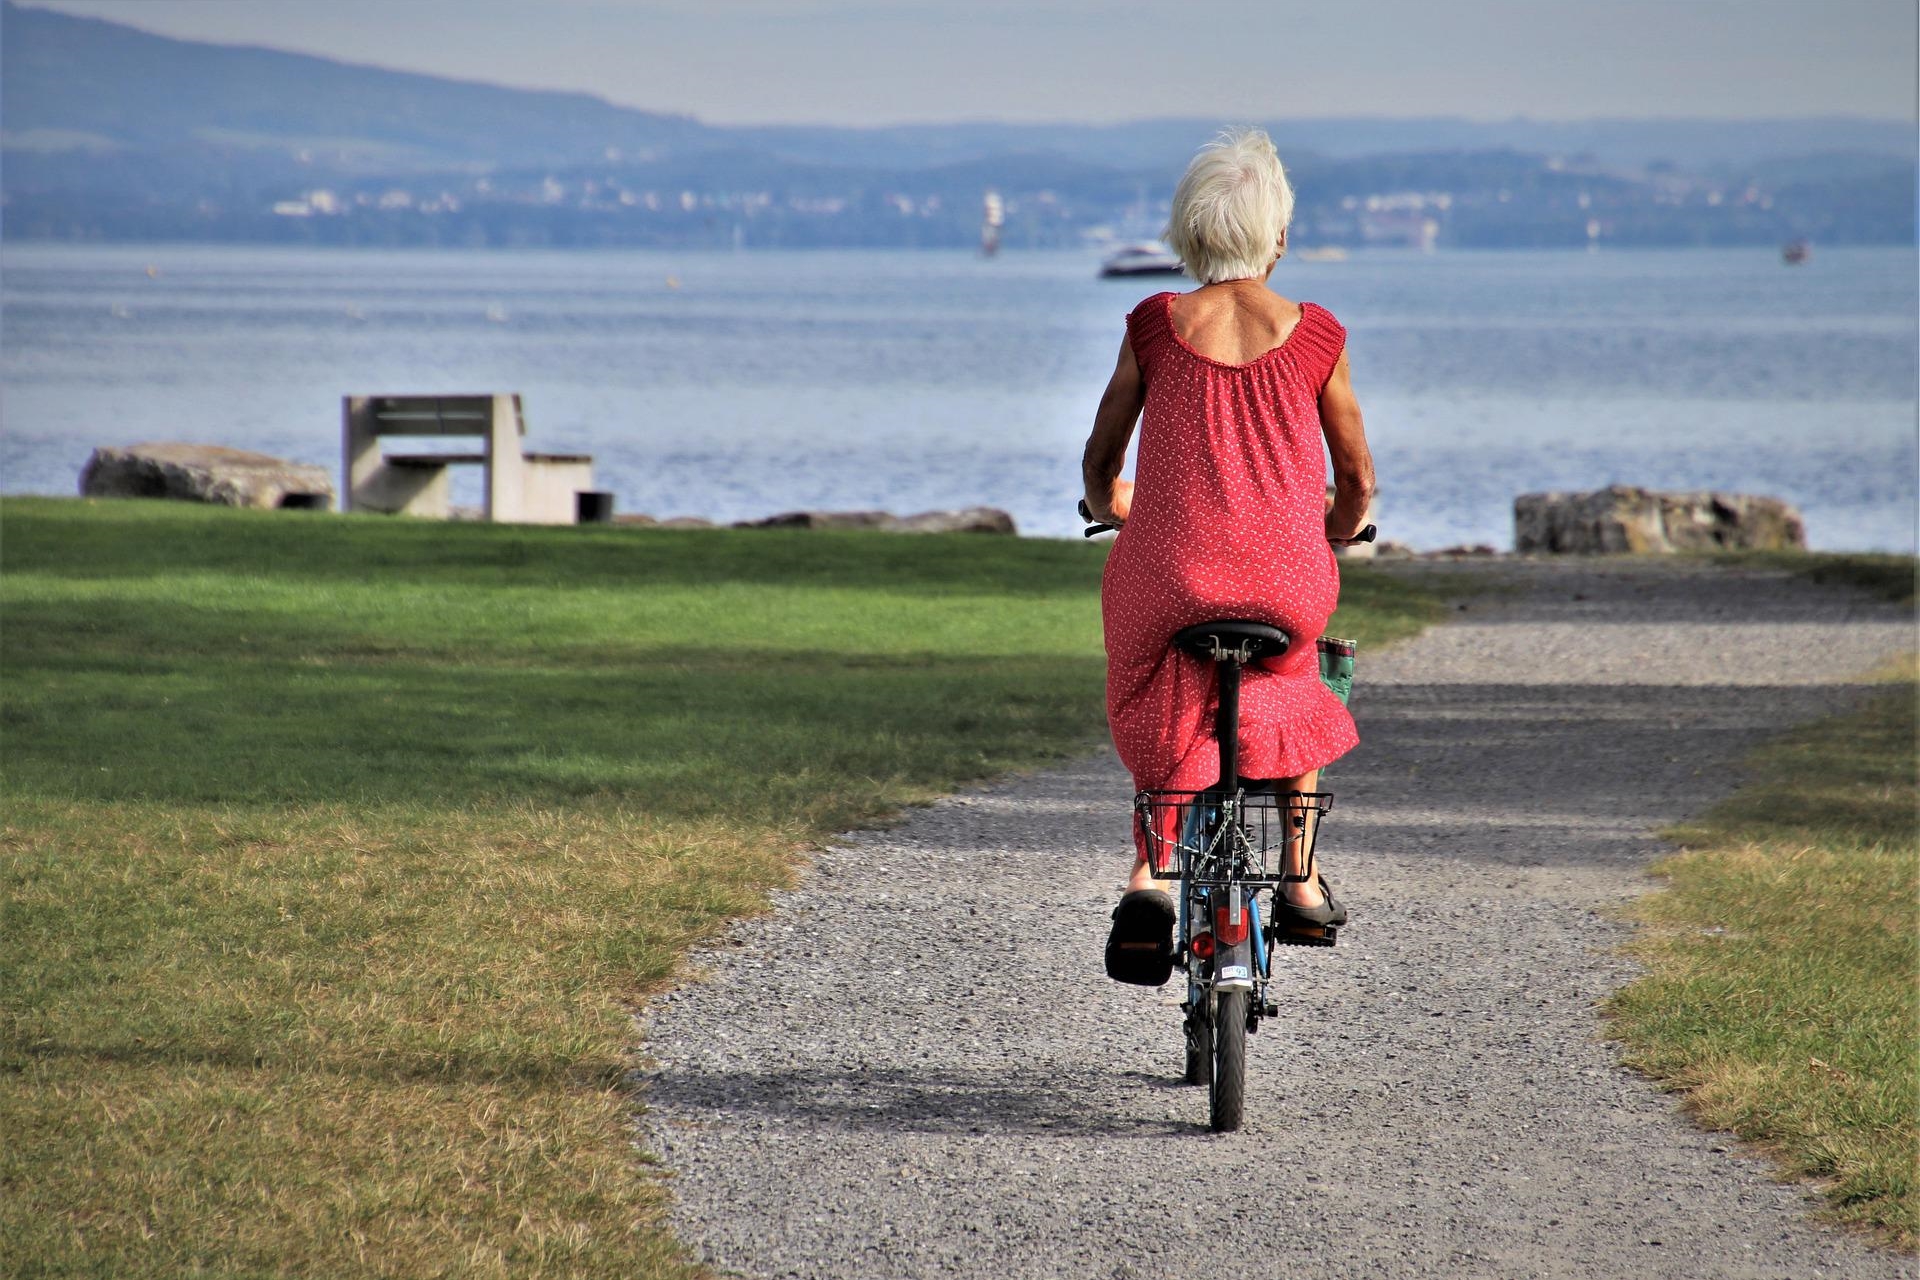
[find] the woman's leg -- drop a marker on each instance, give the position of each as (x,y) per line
(1304,893)
(1295,862)
(1143,878)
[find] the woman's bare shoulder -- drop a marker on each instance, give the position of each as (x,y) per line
(1199,303)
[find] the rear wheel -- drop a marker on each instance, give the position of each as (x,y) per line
(1227,1098)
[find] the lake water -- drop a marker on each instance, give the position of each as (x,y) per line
(737,385)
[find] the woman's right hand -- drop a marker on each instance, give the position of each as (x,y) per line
(1114,511)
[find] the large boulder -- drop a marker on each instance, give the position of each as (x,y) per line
(639,520)
(966,520)
(822,520)
(1625,519)
(205,473)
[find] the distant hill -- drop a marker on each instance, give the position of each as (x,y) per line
(110,132)
(68,82)
(1161,144)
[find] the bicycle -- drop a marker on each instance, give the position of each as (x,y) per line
(1220,843)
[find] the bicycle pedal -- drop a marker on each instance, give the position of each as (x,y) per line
(1269,1010)
(1322,936)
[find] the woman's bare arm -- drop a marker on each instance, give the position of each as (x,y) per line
(1109,497)
(1352,460)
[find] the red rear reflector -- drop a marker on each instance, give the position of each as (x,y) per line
(1202,945)
(1230,931)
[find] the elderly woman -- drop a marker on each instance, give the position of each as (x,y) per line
(1235,388)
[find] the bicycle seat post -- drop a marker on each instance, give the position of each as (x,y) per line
(1230,645)
(1227,719)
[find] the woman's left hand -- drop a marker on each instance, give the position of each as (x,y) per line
(1353,537)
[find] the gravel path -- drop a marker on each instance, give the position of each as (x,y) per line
(915,1067)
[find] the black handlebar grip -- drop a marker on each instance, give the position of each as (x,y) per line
(1366,534)
(1094,527)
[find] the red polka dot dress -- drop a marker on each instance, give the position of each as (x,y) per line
(1228,521)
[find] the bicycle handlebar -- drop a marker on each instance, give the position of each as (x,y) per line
(1096,527)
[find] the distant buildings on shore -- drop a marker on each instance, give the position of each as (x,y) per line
(1421,201)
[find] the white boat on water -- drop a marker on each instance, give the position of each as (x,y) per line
(1141,260)
(993,215)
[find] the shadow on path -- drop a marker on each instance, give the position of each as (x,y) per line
(1030,1101)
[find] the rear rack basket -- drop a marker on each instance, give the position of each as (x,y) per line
(1211,838)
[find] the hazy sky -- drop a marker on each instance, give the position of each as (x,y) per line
(872,62)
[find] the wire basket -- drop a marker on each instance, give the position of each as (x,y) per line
(1210,838)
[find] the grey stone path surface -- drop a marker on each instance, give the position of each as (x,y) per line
(914,1065)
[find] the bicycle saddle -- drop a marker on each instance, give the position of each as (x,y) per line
(1258,639)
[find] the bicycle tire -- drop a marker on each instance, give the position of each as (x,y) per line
(1227,1098)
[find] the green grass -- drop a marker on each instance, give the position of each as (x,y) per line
(335,852)
(1891,577)
(1780,992)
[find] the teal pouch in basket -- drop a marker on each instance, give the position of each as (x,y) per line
(1336,666)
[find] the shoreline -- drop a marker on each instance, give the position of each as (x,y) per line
(1399,552)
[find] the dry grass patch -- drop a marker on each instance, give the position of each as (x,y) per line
(343,1044)
(1780,996)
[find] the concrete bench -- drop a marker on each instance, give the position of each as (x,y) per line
(518,486)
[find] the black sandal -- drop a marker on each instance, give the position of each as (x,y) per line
(1334,905)
(1330,912)
(1307,926)
(1140,948)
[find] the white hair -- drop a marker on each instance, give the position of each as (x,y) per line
(1230,208)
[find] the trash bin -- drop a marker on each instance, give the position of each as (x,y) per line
(592,506)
